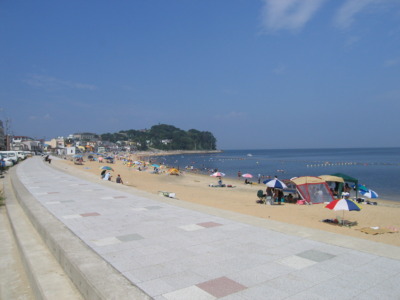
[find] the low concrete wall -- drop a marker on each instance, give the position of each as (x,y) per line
(93,277)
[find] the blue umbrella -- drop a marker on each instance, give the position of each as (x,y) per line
(361,188)
(369,194)
(276,184)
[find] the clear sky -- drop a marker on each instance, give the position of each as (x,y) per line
(256,73)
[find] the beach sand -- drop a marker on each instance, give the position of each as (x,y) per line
(243,199)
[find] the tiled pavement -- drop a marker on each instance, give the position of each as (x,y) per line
(171,252)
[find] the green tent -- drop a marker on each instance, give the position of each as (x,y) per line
(339,185)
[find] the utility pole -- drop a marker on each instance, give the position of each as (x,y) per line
(8,134)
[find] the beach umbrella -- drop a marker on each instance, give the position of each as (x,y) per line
(369,194)
(218,174)
(361,188)
(137,162)
(109,157)
(77,156)
(247,175)
(343,204)
(173,171)
(106,168)
(155,165)
(276,184)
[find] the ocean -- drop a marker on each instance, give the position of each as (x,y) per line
(376,168)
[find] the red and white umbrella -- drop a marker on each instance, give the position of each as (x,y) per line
(218,174)
(343,204)
(247,175)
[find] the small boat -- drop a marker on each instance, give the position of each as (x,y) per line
(249,154)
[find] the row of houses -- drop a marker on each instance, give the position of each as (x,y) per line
(71,145)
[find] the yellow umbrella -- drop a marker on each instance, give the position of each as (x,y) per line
(173,171)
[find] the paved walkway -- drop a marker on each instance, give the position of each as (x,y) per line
(179,252)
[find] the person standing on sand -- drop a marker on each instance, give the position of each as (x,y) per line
(239,174)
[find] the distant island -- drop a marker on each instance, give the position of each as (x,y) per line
(164,137)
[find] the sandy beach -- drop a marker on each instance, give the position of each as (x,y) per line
(243,199)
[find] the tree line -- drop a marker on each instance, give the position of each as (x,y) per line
(165,137)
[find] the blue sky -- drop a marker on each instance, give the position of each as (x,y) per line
(256,73)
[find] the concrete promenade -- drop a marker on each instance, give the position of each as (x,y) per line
(116,242)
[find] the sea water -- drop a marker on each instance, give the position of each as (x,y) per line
(376,168)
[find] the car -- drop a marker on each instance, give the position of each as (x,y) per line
(7,161)
(12,155)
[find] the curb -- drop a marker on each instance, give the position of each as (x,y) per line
(92,276)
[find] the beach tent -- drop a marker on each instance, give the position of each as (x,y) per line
(346,179)
(335,179)
(313,189)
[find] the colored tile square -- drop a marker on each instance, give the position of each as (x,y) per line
(209,224)
(221,287)
(130,237)
(315,255)
(93,214)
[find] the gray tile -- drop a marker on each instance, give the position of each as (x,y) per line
(130,237)
(315,255)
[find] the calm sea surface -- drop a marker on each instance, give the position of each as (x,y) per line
(377,168)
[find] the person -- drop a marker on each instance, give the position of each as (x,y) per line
(239,174)
(280,196)
(259,178)
(290,198)
(103,173)
(107,176)
(119,179)
(269,191)
(220,181)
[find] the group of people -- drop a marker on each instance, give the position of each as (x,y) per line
(107,176)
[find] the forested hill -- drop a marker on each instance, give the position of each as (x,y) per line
(165,137)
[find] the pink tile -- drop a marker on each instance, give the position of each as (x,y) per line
(93,214)
(209,224)
(221,287)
